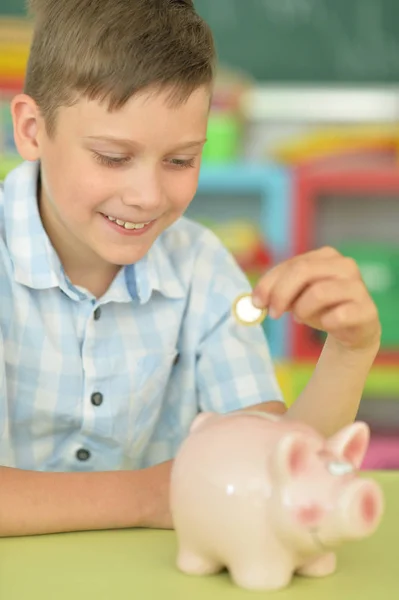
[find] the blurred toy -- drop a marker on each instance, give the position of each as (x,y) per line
(267,498)
(15,39)
(383,453)
(226,123)
(325,143)
(244,240)
(379,267)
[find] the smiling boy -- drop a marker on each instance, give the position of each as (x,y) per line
(115,319)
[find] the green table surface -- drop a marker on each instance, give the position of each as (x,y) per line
(139,564)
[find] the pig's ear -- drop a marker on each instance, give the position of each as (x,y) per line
(351,442)
(292,455)
(200,420)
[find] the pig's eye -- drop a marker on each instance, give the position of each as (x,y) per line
(340,468)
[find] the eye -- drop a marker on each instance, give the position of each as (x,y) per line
(111,161)
(180,163)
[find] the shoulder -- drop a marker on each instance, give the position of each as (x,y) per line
(2,233)
(195,249)
(190,235)
(4,254)
(209,273)
(6,264)
(14,191)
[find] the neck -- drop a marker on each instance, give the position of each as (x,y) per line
(96,282)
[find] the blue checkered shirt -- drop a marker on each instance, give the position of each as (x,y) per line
(114,383)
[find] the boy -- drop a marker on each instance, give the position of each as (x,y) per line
(115,310)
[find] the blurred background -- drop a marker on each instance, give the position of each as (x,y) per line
(303,151)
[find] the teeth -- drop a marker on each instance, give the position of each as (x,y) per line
(128,224)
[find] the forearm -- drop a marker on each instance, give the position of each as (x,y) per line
(332,396)
(39,503)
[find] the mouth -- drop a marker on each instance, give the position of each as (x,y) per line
(127,227)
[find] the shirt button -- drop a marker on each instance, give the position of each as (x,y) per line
(97,399)
(83,454)
(97,314)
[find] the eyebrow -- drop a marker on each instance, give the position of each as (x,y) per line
(130,143)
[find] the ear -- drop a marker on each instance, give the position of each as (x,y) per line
(351,442)
(292,455)
(26,119)
(200,420)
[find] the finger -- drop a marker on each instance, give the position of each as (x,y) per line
(301,274)
(263,288)
(325,294)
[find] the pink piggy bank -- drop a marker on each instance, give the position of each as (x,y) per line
(266,497)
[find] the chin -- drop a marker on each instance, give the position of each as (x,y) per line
(123,259)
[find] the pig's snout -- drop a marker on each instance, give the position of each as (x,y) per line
(362,506)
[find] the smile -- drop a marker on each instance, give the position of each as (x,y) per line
(127,224)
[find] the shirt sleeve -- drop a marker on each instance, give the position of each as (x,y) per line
(234,365)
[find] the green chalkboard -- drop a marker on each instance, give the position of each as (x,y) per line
(348,41)
(12,7)
(304,41)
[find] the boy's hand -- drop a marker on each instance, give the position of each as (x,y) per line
(323,290)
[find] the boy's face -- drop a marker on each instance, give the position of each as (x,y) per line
(137,166)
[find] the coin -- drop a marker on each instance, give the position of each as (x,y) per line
(246,313)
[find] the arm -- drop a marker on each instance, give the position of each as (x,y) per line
(324,290)
(332,396)
(34,503)
(38,503)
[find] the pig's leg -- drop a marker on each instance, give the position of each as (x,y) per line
(319,567)
(261,571)
(193,562)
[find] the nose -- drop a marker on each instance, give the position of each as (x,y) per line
(363,507)
(145,191)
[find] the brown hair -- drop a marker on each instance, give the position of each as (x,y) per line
(110,49)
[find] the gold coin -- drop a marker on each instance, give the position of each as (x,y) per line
(246,313)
